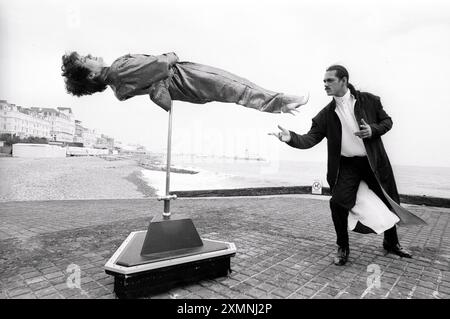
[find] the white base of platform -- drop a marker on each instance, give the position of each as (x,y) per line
(113,267)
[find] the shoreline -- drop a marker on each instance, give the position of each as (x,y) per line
(137,179)
(121,176)
(302,190)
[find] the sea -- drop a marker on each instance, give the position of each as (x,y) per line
(229,173)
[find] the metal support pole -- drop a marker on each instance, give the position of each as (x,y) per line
(167,198)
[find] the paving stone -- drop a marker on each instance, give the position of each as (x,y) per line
(61,286)
(57,280)
(42,293)
(25,296)
(444,290)
(90,286)
(54,296)
(16,284)
(256,293)
(19,291)
(279,255)
(281,292)
(106,281)
(34,280)
(50,270)
(54,275)
(267,287)
(40,285)
(32,274)
(98,292)
(69,293)
(297,296)
(108,296)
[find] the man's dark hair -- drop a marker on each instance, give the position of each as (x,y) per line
(341,72)
(76,77)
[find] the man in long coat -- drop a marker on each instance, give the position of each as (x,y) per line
(353,123)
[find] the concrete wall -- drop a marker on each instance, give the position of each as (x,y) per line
(37,150)
(6,149)
(85,151)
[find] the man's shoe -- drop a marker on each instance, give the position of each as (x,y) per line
(341,256)
(397,249)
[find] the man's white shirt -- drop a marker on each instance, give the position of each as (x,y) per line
(351,145)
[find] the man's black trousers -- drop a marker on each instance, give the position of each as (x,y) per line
(351,171)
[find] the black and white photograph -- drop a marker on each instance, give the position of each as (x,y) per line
(228,156)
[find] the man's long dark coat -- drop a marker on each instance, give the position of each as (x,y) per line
(327,124)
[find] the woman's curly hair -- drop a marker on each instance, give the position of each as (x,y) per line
(76,77)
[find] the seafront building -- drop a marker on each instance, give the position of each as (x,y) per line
(52,124)
(84,135)
(23,122)
(56,125)
(104,141)
(62,123)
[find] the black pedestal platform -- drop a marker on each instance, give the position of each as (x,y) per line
(168,254)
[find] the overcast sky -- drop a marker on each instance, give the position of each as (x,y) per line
(398,50)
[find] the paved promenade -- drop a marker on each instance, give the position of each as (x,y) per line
(285,246)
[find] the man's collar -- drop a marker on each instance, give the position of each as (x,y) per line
(356,95)
(344,98)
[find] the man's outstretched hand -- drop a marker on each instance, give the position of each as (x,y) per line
(284,135)
(366,130)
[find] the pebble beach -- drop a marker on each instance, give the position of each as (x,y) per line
(70,178)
